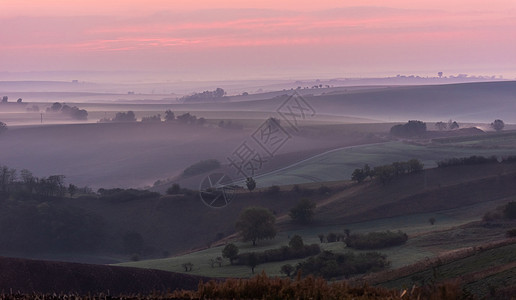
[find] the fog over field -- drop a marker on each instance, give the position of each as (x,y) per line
(258,149)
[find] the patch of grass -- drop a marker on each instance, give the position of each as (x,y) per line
(339,164)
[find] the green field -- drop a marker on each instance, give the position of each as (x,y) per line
(339,164)
(422,237)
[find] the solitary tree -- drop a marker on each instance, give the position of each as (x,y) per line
(169,116)
(72,189)
(250,183)
(3,127)
(358,175)
(498,125)
(230,252)
(303,212)
(287,269)
(256,223)
(296,242)
(252,261)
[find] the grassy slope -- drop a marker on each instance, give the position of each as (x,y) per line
(334,214)
(339,164)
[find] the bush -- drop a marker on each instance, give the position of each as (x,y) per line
(376,240)
(472,160)
(201,167)
(279,254)
(304,212)
(329,265)
(410,129)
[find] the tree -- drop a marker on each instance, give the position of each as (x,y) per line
(452,125)
(287,269)
(230,252)
(303,212)
(431,220)
(441,126)
(188,266)
(174,189)
(296,242)
(358,175)
(256,223)
(72,189)
(169,116)
(252,261)
(250,183)
(3,127)
(415,165)
(498,125)
(440,74)
(411,129)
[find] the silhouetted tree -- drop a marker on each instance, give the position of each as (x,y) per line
(412,128)
(256,223)
(452,125)
(72,189)
(169,116)
(441,126)
(498,125)
(3,127)
(230,252)
(303,212)
(296,242)
(358,175)
(252,261)
(287,269)
(250,183)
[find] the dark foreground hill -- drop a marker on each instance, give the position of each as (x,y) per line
(35,276)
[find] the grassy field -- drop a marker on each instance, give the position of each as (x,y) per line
(339,164)
(488,261)
(425,240)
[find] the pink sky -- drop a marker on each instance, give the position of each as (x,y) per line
(257,39)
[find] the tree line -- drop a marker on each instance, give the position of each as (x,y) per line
(385,173)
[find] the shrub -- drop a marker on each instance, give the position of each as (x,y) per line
(279,254)
(376,240)
(304,212)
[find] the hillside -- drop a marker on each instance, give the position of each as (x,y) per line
(33,276)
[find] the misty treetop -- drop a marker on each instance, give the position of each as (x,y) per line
(216,94)
(412,128)
(70,111)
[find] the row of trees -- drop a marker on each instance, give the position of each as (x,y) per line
(216,94)
(450,125)
(386,172)
(129,116)
(71,111)
(26,186)
(412,128)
